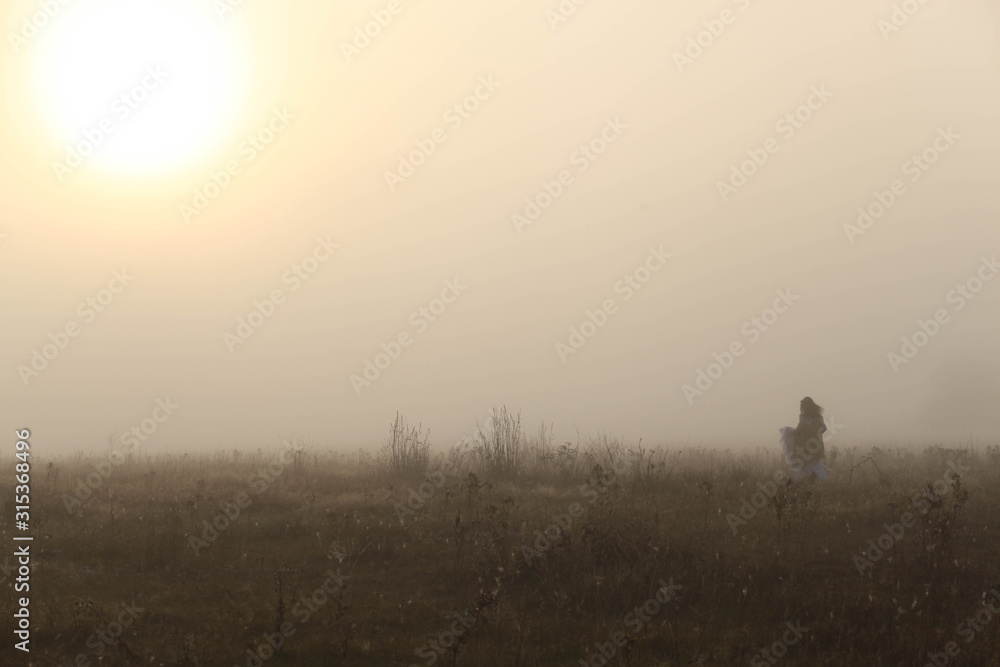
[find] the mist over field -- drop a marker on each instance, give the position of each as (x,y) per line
(534,154)
(572,332)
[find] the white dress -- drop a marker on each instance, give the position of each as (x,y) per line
(788,448)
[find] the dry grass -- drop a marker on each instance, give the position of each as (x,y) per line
(644,515)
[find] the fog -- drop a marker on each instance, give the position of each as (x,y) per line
(619,128)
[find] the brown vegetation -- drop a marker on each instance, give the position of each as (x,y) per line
(533,554)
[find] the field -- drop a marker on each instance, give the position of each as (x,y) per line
(512,551)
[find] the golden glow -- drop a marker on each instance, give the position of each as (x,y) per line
(138,87)
(209,200)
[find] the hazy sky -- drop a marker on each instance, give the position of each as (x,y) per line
(613,120)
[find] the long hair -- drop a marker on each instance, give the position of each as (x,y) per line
(809,408)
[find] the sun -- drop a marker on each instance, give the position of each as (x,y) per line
(139,88)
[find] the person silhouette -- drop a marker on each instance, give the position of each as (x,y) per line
(803,445)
